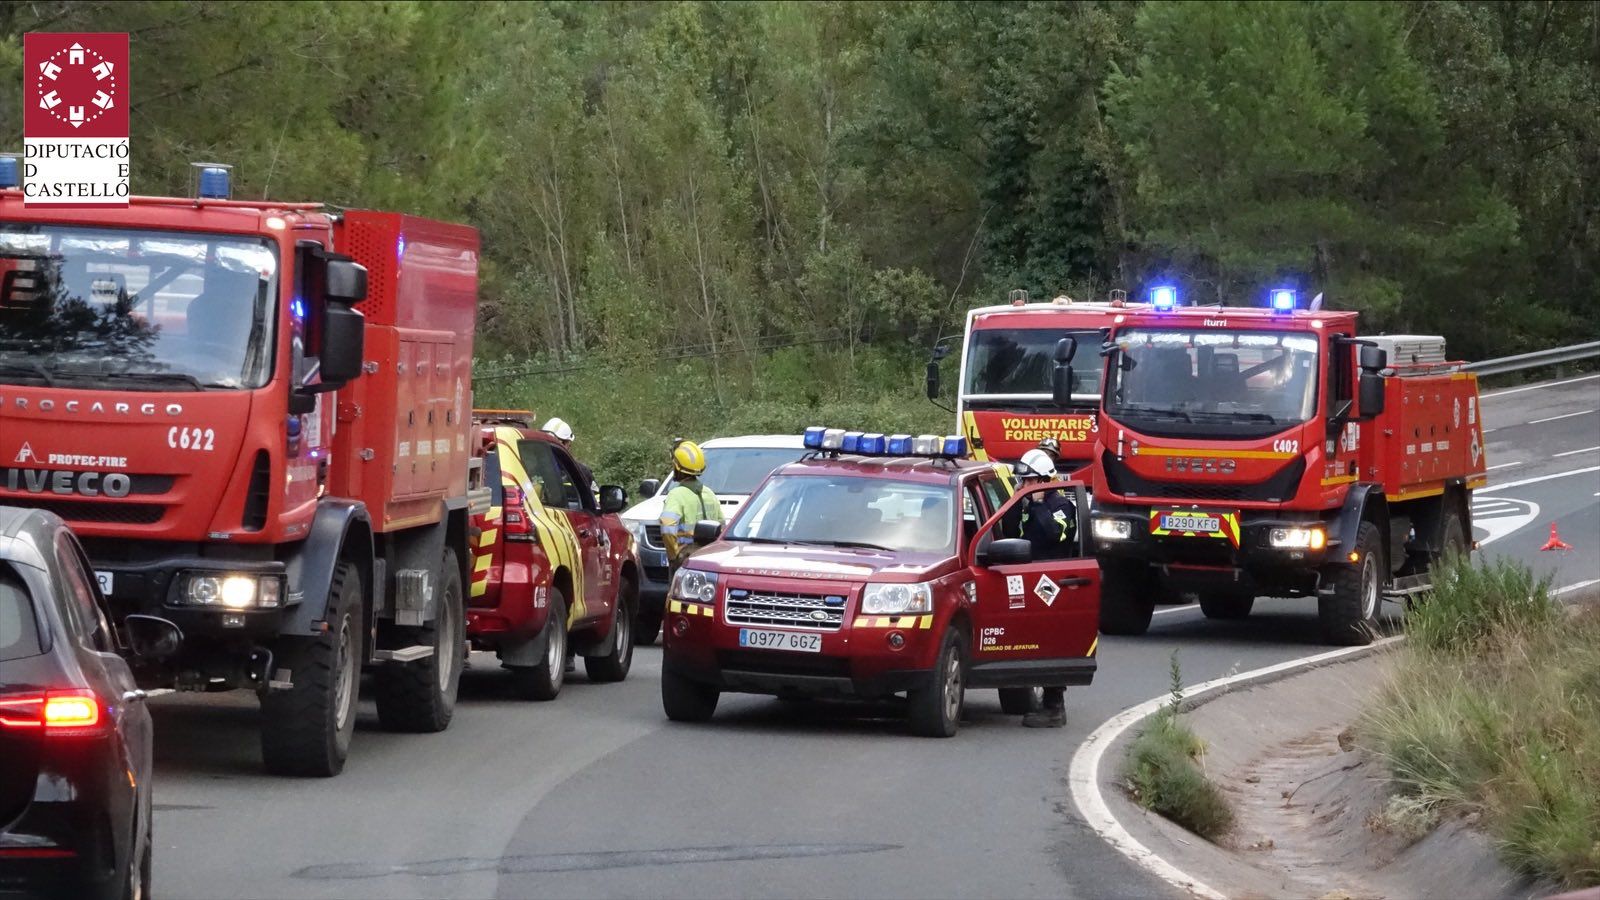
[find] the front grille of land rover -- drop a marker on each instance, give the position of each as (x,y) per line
(815,612)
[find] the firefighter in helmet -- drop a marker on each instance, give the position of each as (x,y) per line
(1050,523)
(688,502)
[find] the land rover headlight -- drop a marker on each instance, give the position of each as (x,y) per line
(1109,529)
(897,599)
(231,590)
(1312,538)
(695,586)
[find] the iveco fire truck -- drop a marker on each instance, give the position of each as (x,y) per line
(256,415)
(1005,404)
(1250,452)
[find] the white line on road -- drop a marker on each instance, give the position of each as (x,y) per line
(1173,609)
(1502,466)
(1535,387)
(1558,418)
(1536,480)
(1575,452)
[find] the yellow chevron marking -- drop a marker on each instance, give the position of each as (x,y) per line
(926,623)
(978,453)
(1338,479)
(479,588)
(674,606)
(488,536)
(1092,646)
(705,611)
(484,562)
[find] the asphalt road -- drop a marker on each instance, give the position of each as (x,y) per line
(597,795)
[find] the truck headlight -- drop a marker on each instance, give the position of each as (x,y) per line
(694,585)
(897,599)
(1109,529)
(1313,538)
(231,590)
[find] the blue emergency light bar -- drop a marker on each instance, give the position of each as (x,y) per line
(872,443)
(10,170)
(1283,299)
(214,181)
(1163,297)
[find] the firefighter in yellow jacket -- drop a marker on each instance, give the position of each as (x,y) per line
(688,502)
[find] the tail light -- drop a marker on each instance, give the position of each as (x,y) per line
(54,713)
(518,525)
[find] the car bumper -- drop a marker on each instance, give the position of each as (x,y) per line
(64,844)
(519,603)
(1253,551)
(653,580)
(152,588)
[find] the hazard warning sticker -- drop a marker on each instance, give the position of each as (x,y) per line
(1046,589)
(1014,588)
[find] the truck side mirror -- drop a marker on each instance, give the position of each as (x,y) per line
(1061,378)
(1371,392)
(649,487)
(1373,359)
(345,281)
(343,342)
(933,379)
(613,499)
(706,531)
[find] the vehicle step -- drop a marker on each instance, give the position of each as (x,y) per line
(1407,586)
(404,654)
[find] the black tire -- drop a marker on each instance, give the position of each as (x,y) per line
(139,867)
(1452,535)
(420,696)
(1226,604)
(1127,598)
(686,700)
(1020,701)
(934,709)
(646,628)
(544,681)
(1349,612)
(306,729)
(614,666)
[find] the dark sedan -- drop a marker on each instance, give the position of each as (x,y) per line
(75,803)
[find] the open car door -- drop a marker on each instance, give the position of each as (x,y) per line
(1036,620)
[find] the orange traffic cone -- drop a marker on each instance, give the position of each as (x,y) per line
(1555,542)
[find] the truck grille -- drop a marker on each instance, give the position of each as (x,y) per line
(1280,487)
(84,511)
(813,611)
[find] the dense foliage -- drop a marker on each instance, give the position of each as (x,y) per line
(675,191)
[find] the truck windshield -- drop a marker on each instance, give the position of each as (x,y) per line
(1019,361)
(1203,381)
(849,511)
(135,309)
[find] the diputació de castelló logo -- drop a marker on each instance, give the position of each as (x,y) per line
(75,119)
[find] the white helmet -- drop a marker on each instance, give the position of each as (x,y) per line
(561,430)
(1037,464)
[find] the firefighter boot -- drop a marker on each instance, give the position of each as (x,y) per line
(1052,713)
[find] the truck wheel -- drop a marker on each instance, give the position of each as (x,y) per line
(1452,536)
(544,681)
(1020,701)
(306,729)
(935,708)
(1226,605)
(1127,598)
(647,627)
(421,696)
(614,665)
(686,700)
(1349,613)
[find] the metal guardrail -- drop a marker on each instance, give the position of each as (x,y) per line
(1535,359)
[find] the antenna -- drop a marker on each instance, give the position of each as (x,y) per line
(1316,302)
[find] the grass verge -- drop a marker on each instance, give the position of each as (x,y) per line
(1494,709)
(1164,775)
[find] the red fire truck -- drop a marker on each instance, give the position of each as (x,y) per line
(1005,404)
(1250,452)
(255,414)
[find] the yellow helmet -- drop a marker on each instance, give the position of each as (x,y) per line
(688,458)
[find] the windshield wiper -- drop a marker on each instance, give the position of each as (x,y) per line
(861,544)
(1147,410)
(183,378)
(28,368)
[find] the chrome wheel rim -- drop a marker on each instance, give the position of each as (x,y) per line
(952,687)
(345,688)
(556,652)
(1369,588)
(449,646)
(624,635)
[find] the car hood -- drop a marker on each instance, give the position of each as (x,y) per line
(820,563)
(649,510)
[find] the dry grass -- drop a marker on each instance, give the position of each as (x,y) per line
(1494,708)
(1163,771)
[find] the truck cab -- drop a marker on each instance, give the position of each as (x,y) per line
(879,565)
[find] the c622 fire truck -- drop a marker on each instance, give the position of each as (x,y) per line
(255,414)
(872,567)
(1005,401)
(1249,452)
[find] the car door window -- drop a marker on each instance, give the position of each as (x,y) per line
(993,491)
(19,634)
(94,631)
(541,466)
(491,477)
(575,493)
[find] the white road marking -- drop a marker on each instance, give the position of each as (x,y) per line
(1557,418)
(1579,586)
(1535,387)
(1502,466)
(1575,452)
(1083,773)
(1537,479)
(1500,517)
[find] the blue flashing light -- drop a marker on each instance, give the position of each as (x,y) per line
(298,307)
(400,247)
(1164,297)
(814,437)
(10,171)
(873,443)
(215,183)
(1283,299)
(955,445)
(899,445)
(851,442)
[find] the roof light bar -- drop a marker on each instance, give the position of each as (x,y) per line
(1283,299)
(1163,297)
(872,443)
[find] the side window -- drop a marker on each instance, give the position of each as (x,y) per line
(81,597)
(574,487)
(972,514)
(491,476)
(541,465)
(1341,375)
(994,491)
